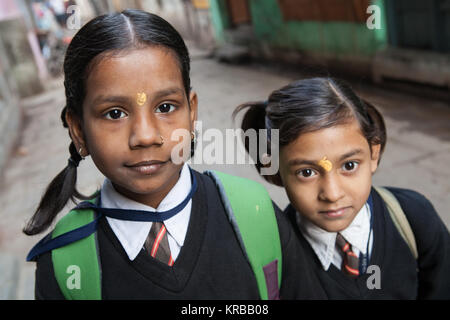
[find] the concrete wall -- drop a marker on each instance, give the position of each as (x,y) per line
(10,121)
(18,74)
(17,40)
(10,113)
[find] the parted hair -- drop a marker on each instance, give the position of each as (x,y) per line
(308,105)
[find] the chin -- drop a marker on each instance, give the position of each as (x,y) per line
(335,226)
(147,187)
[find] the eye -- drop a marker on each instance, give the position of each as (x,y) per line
(115,114)
(306,173)
(165,108)
(350,166)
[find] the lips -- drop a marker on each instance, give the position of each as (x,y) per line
(146,167)
(335,213)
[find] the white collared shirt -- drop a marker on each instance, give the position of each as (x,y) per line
(324,243)
(132,234)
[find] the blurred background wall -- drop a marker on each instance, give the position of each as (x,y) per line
(17,72)
(402,40)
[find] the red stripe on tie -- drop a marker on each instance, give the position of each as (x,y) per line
(345,248)
(352,271)
(171,261)
(158,241)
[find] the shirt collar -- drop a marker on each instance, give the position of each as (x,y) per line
(132,234)
(323,242)
(357,233)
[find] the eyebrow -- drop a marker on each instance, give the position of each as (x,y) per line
(167,92)
(296,162)
(103,99)
(125,99)
(351,154)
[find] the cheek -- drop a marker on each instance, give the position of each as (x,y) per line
(359,188)
(105,144)
(179,119)
(300,195)
(290,184)
(301,201)
(167,127)
(177,126)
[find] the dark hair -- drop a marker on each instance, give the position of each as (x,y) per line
(104,36)
(309,105)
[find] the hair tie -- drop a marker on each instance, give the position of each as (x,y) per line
(72,162)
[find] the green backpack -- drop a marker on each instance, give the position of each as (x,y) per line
(249,209)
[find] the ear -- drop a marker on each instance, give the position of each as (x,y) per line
(375,157)
(193,103)
(76,133)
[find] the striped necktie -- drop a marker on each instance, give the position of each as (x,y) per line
(157,243)
(350,264)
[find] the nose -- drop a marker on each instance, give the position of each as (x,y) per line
(331,189)
(144,131)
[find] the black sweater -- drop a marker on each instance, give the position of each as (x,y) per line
(398,268)
(211,264)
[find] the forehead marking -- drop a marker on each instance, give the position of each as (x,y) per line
(325,163)
(141,98)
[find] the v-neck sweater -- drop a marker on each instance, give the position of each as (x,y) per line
(210,265)
(398,274)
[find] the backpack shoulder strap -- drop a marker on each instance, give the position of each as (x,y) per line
(77,265)
(399,219)
(251,213)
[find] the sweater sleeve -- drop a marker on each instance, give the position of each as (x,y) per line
(433,244)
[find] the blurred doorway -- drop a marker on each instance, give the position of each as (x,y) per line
(418,24)
(239,12)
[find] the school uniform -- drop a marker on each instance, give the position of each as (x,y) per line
(132,234)
(209,261)
(400,275)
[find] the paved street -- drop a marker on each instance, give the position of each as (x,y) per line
(417,154)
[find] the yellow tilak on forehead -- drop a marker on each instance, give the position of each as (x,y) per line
(326,164)
(141,98)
